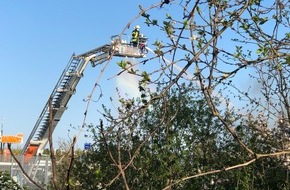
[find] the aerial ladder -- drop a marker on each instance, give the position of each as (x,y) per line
(66,87)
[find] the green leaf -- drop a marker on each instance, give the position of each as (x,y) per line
(263,20)
(198,9)
(244,26)
(122,64)
(141,8)
(262,50)
(287,60)
(144,101)
(158,52)
(148,22)
(278,67)
(158,44)
(131,71)
(145,15)
(255,18)
(145,76)
(154,22)
(185,23)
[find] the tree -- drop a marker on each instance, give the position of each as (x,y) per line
(236,52)
(185,139)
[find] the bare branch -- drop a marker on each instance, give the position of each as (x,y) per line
(22,169)
(228,168)
(52,155)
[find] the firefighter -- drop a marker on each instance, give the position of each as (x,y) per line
(135,36)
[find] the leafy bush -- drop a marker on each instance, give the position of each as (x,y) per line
(7,183)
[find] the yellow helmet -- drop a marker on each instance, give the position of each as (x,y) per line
(137,27)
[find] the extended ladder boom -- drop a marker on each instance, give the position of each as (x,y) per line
(66,87)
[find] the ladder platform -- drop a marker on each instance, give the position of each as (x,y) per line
(127,50)
(121,48)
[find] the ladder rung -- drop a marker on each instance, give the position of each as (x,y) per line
(62,90)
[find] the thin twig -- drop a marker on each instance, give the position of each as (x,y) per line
(22,169)
(52,155)
(120,161)
(70,165)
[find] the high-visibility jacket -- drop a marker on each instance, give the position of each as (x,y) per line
(135,36)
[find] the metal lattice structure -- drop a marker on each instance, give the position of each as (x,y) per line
(65,88)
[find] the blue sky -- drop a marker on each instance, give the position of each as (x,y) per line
(37,40)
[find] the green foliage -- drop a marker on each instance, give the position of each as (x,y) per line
(169,29)
(6,183)
(255,2)
(287,60)
(187,139)
(87,173)
(260,20)
(262,50)
(185,24)
(123,64)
